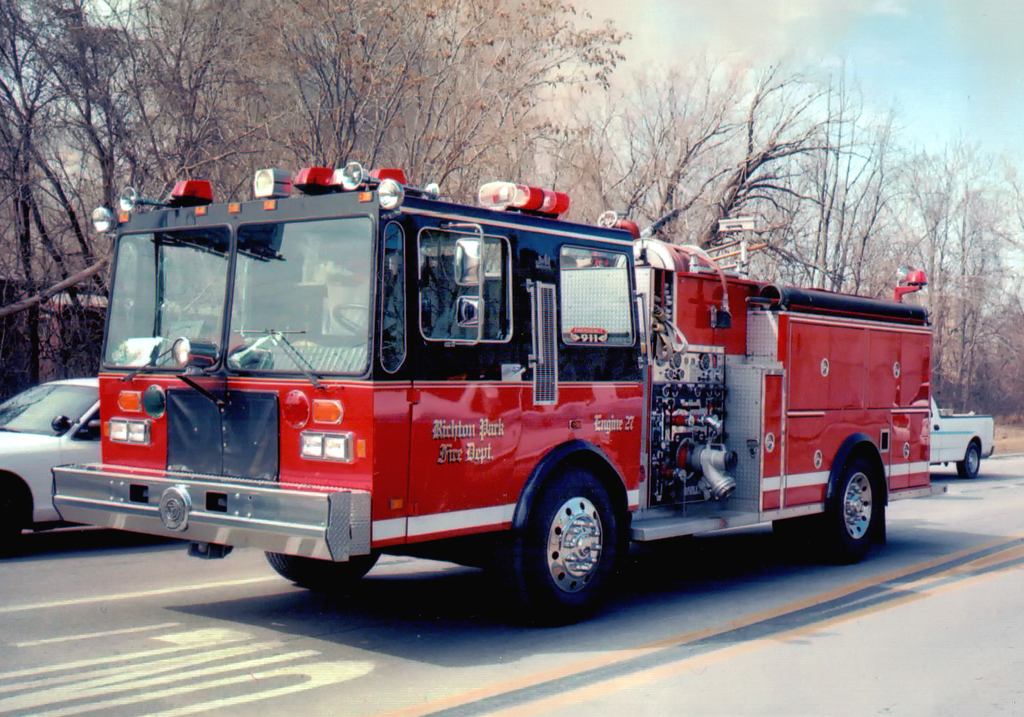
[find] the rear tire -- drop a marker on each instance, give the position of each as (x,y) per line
(850,521)
(322,575)
(563,559)
(971,464)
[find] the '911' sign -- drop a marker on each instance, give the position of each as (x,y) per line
(584,335)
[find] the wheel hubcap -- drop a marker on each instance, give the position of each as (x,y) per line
(973,460)
(857,505)
(574,544)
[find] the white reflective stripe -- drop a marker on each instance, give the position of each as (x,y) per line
(902,469)
(805,479)
(388,529)
(460,519)
(456,520)
(771,483)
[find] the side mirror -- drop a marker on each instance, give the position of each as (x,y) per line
(195,353)
(467,312)
(60,424)
(467,262)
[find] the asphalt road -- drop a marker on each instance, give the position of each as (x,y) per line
(100,622)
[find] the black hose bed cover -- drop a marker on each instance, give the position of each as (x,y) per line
(818,301)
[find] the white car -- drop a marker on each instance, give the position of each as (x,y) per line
(45,426)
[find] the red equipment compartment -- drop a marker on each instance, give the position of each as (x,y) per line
(909,450)
(829,366)
(915,369)
(884,373)
(696,294)
(773,442)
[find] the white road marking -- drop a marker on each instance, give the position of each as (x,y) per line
(319,674)
(112,675)
(205,637)
(200,662)
(194,679)
(91,635)
(131,596)
(97,661)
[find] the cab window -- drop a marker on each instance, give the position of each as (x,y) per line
(464,287)
(595,301)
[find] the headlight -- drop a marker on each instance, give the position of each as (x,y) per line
(129,431)
(351,177)
(272,183)
(327,446)
(312,445)
(138,431)
(102,220)
(391,194)
(129,198)
(118,430)
(338,448)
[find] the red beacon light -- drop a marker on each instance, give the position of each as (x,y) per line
(910,280)
(529,200)
(191,193)
(389,173)
(315,180)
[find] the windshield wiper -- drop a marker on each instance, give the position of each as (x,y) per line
(148,366)
(280,339)
(9,430)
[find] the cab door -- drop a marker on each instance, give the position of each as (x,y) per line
(392,391)
(467,393)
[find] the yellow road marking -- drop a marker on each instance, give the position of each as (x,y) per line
(618,656)
(654,674)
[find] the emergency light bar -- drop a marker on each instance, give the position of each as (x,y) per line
(191,193)
(507,195)
(315,180)
(272,184)
(389,173)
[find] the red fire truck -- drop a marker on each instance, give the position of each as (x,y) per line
(348,366)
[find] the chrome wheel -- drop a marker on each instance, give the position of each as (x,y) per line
(574,544)
(857,506)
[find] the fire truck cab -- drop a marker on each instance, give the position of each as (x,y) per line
(358,367)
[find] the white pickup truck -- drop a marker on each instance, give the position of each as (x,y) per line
(961,438)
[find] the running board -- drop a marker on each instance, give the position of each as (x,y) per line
(659,528)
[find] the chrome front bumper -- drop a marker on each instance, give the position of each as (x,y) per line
(286,519)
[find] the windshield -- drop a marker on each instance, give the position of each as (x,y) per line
(33,411)
(166,285)
(302,297)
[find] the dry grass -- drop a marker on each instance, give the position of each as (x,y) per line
(1009,438)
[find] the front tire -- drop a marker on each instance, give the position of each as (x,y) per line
(852,516)
(15,511)
(322,575)
(971,464)
(563,559)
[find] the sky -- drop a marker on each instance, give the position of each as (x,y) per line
(950,68)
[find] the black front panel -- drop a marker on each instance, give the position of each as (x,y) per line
(238,439)
(250,435)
